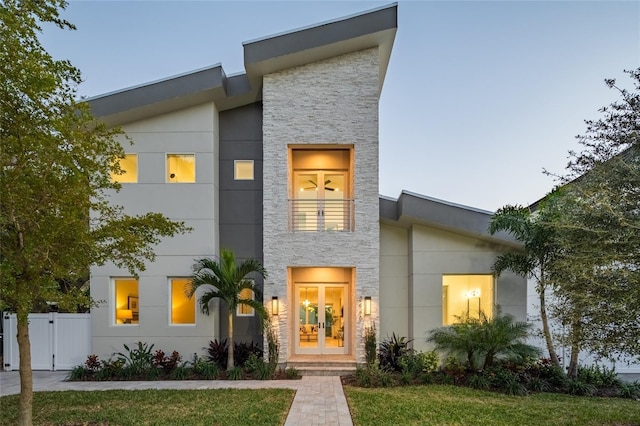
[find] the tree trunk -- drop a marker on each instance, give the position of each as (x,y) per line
(545,327)
(25,407)
(576,337)
(230,340)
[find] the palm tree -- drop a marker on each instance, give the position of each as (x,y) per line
(482,341)
(228,279)
(536,258)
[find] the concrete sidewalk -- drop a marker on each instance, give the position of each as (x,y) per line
(319,400)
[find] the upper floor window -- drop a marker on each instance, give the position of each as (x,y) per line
(129,165)
(466,295)
(320,190)
(181,168)
(243,170)
(183,309)
(127,308)
(245,310)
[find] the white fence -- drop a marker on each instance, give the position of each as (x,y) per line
(58,341)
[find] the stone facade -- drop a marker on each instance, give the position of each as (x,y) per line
(334,102)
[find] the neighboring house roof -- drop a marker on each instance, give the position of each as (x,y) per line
(415,209)
(365,30)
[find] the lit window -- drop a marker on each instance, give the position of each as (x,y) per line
(245,310)
(466,295)
(129,165)
(181,168)
(127,308)
(243,170)
(183,309)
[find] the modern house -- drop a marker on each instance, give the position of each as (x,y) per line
(280,164)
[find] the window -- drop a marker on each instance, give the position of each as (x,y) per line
(127,307)
(129,165)
(466,294)
(181,168)
(183,309)
(245,310)
(243,170)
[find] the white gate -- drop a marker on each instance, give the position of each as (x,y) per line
(58,341)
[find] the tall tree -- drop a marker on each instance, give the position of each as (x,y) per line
(597,221)
(225,279)
(533,261)
(55,179)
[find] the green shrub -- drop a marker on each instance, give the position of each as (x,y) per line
(370,344)
(484,341)
(181,372)
(392,350)
(629,390)
(578,387)
(273,346)
(292,373)
(203,368)
(137,360)
(218,352)
(480,381)
(598,376)
(78,373)
(236,373)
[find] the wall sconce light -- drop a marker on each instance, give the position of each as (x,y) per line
(126,315)
(367,305)
(274,305)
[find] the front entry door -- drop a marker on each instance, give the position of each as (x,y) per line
(321,322)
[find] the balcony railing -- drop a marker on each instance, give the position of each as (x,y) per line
(321,215)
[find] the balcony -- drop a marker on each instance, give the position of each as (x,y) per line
(321,215)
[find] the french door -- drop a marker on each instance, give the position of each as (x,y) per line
(321,321)
(319,201)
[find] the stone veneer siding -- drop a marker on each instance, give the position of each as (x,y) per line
(334,101)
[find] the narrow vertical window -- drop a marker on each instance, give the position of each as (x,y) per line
(243,170)
(181,168)
(127,307)
(245,310)
(129,165)
(183,309)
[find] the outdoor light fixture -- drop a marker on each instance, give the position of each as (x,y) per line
(367,305)
(274,305)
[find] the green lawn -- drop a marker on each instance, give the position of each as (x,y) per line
(157,407)
(449,405)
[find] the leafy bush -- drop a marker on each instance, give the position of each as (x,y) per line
(480,381)
(273,347)
(483,341)
(392,350)
(370,344)
(373,376)
(166,363)
(291,373)
(257,368)
(236,373)
(137,360)
(578,387)
(218,352)
(629,390)
(598,376)
(203,368)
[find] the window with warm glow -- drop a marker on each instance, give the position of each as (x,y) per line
(243,170)
(245,310)
(129,165)
(127,308)
(181,168)
(183,309)
(466,295)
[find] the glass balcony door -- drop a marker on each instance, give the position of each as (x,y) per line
(320,201)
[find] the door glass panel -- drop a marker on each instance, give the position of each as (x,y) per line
(334,209)
(321,318)
(308,317)
(305,210)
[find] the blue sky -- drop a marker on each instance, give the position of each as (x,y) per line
(479,96)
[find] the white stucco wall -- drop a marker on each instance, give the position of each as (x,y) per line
(193,130)
(334,101)
(428,254)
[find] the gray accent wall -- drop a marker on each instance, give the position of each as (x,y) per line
(241,201)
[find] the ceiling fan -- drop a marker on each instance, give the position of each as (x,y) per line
(315,185)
